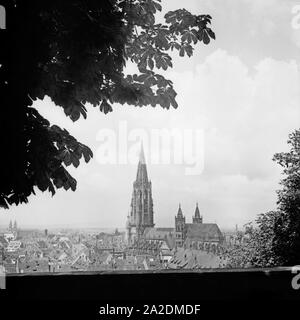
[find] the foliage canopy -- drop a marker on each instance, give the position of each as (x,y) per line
(75,52)
(275,241)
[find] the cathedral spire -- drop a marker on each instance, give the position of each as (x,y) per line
(142,175)
(141,214)
(142,155)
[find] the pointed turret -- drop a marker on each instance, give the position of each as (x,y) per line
(197,218)
(179,213)
(180,228)
(197,212)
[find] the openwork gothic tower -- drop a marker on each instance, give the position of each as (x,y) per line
(141,211)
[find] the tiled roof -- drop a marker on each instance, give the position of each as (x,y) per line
(157,233)
(3,241)
(204,231)
(194,259)
(165,229)
(42,244)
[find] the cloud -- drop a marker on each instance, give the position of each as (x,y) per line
(295,35)
(246,114)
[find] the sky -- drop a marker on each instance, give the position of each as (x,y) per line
(240,94)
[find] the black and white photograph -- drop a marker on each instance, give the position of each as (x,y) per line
(150,158)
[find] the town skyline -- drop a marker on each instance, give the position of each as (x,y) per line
(141,174)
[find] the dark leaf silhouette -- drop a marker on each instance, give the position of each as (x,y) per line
(276,239)
(75,52)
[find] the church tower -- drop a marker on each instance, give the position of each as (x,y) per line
(141,212)
(197,218)
(180,228)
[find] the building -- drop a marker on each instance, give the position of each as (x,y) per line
(141,209)
(9,236)
(13,229)
(197,235)
(3,242)
(13,246)
(140,222)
